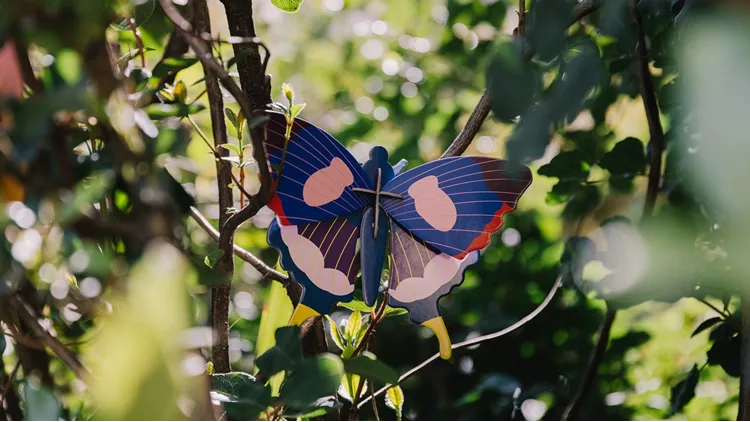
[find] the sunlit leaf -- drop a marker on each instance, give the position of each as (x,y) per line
(287,5)
(394,398)
(212,258)
(367,365)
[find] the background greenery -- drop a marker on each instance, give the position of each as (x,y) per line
(405,75)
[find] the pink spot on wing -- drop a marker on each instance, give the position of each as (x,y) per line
(11,81)
(327,184)
(433,204)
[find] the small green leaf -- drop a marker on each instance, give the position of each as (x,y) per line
(162,111)
(394,398)
(284,355)
(355,305)
(232,147)
(349,385)
(335,333)
(180,92)
(288,91)
(312,379)
(86,193)
(353,325)
(212,258)
(40,403)
(232,117)
(389,312)
(296,109)
(705,325)
(684,391)
(242,397)
(627,157)
(289,6)
(567,165)
(172,65)
(231,210)
(369,367)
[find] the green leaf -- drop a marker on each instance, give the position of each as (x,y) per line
(627,157)
(211,259)
(349,385)
(86,193)
(172,65)
(567,165)
(277,309)
(335,333)
(232,117)
(242,396)
(289,6)
(705,325)
(368,366)
(353,325)
(355,305)
(180,92)
(511,81)
(40,403)
(684,391)
(389,312)
(296,109)
(131,54)
(231,147)
(312,379)
(394,398)
(285,355)
(162,111)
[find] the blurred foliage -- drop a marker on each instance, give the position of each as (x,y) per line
(97,240)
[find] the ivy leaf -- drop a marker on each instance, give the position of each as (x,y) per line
(628,157)
(242,396)
(285,355)
(289,6)
(335,333)
(232,117)
(212,258)
(394,398)
(705,325)
(312,379)
(684,391)
(368,366)
(232,147)
(567,165)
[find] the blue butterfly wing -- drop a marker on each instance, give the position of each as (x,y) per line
(318,173)
(322,257)
(455,204)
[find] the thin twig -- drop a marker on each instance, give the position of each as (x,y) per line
(477,340)
(59,349)
(655,130)
(243,254)
(373,323)
(372,400)
(571,412)
(8,383)
(724,315)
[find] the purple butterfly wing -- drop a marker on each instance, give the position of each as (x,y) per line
(455,204)
(318,173)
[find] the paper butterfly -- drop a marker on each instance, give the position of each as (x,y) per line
(334,217)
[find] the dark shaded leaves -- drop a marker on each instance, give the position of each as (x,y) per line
(284,355)
(511,81)
(368,366)
(312,379)
(242,396)
(684,391)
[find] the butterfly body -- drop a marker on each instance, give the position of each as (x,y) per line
(337,219)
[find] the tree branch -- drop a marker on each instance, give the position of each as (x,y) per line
(241,253)
(478,340)
(63,353)
(571,412)
(219,294)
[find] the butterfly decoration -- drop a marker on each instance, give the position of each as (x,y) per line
(337,219)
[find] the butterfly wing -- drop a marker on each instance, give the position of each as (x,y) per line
(419,276)
(317,176)
(455,204)
(322,257)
